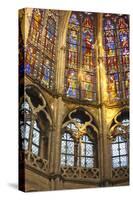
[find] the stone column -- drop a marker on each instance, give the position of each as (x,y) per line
(102,98)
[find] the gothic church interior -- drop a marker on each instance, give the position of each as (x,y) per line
(74,99)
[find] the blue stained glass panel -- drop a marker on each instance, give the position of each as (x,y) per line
(27,69)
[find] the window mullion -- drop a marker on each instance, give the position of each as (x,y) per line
(31,133)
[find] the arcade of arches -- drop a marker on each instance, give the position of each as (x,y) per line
(74,99)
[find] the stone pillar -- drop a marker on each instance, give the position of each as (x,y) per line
(104,153)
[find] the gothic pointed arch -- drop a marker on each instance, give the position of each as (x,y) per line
(34,133)
(79,140)
(119,135)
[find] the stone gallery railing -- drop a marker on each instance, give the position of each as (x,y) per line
(79,173)
(34,161)
(122,172)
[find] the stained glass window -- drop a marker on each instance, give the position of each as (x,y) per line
(116,46)
(41,47)
(50,41)
(78,146)
(120,142)
(80,72)
(29,130)
(36,26)
(34,50)
(21,52)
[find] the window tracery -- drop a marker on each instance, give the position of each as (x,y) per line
(119,136)
(78,147)
(33,132)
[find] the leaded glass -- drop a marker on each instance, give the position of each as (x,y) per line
(115,151)
(63,158)
(124,161)
(123,148)
(87,152)
(24,144)
(70,160)
(115,162)
(36,26)
(119,152)
(87,162)
(29,130)
(36,136)
(67,150)
(80,73)
(35,150)
(21,52)
(41,47)
(116,39)
(78,142)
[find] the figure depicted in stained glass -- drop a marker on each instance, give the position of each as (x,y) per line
(49,49)
(36,26)
(80,41)
(116,44)
(72,84)
(50,34)
(73,48)
(46,78)
(30,59)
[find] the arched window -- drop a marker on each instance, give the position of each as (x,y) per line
(120,146)
(80,71)
(34,51)
(41,47)
(35,123)
(78,146)
(50,41)
(116,47)
(29,130)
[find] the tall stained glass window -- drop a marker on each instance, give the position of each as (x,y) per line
(116,46)
(41,47)
(34,50)
(120,146)
(21,52)
(50,41)
(78,146)
(80,71)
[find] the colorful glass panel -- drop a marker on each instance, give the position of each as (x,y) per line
(80,57)
(116,46)
(41,47)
